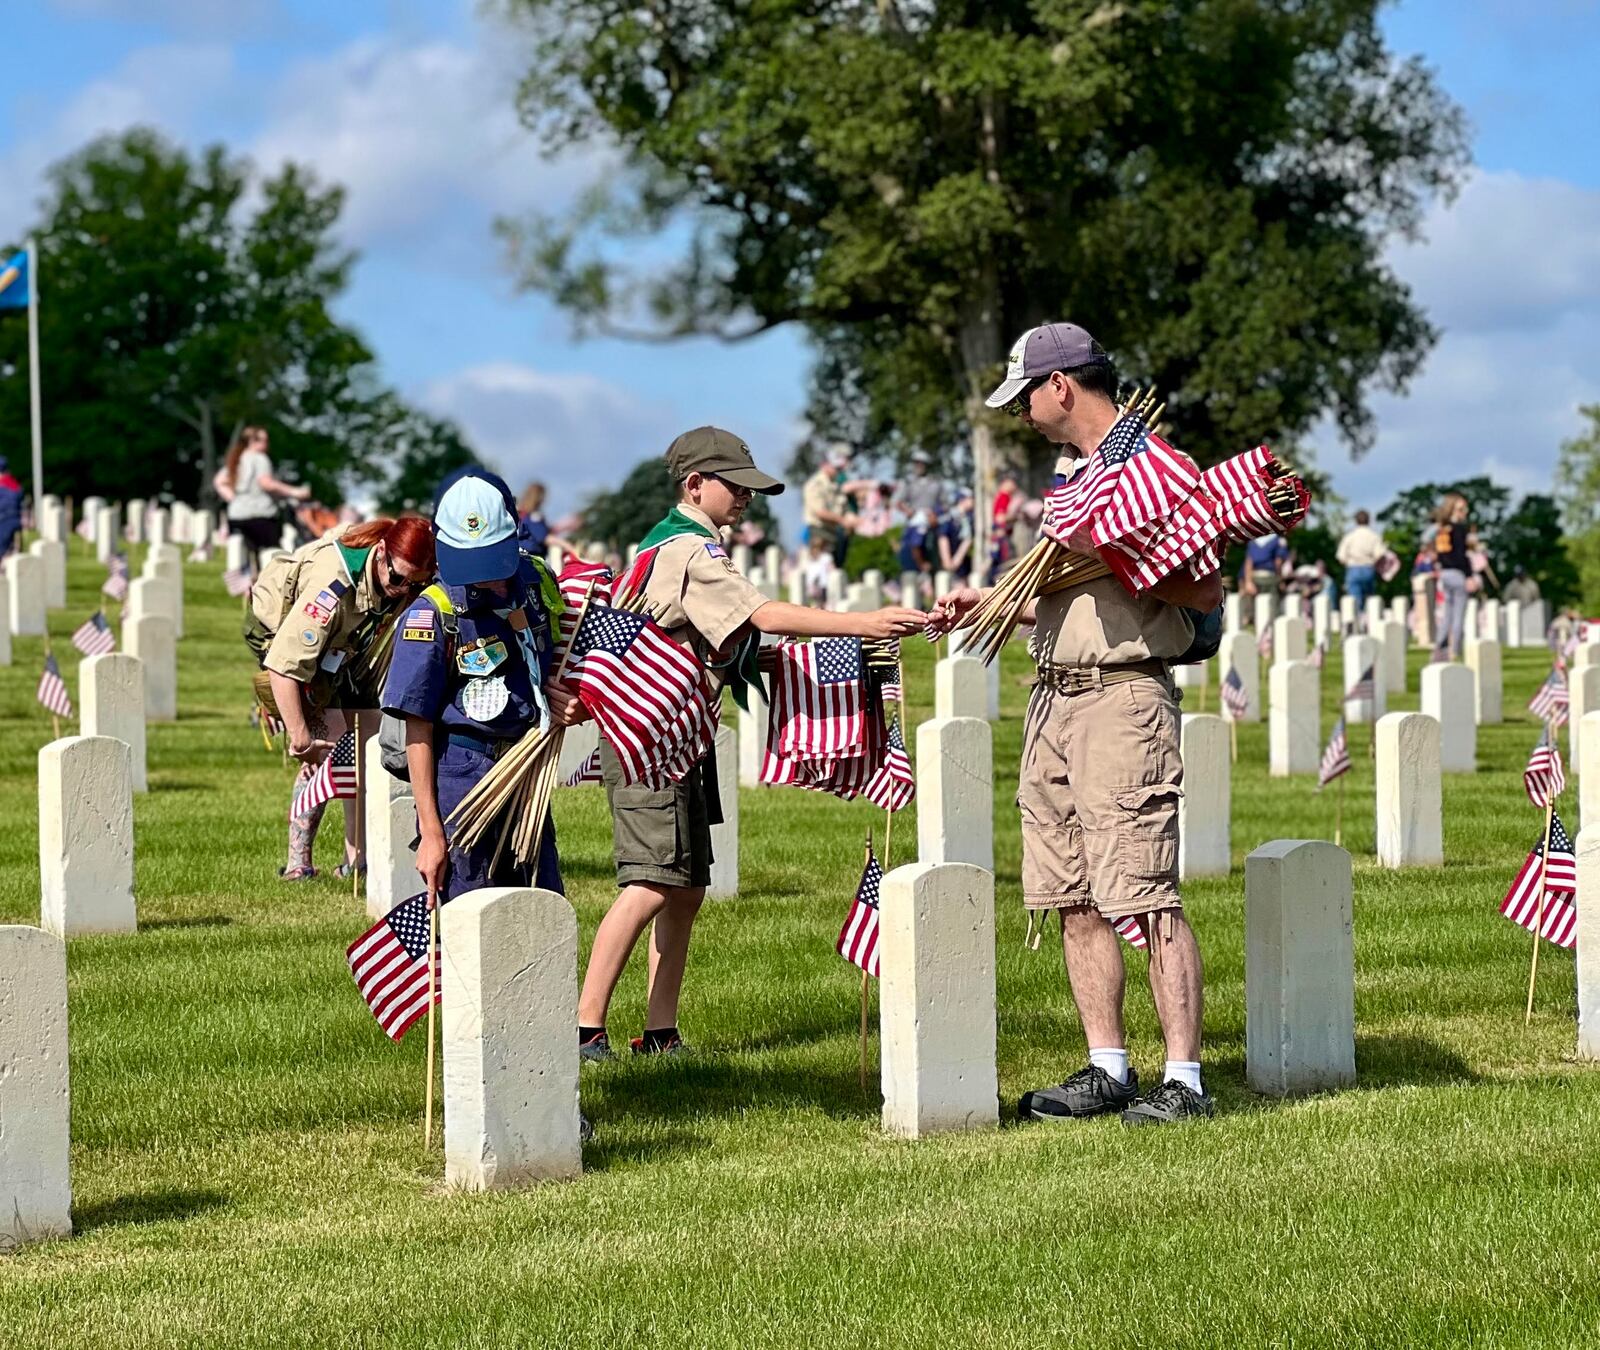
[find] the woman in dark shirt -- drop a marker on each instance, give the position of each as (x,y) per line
(1454,567)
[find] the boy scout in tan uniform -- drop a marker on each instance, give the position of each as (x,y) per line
(663,838)
(1101,773)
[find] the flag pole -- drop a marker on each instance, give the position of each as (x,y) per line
(36,418)
(433,969)
(1538,929)
(358,830)
(865,978)
(1233,737)
(1338,817)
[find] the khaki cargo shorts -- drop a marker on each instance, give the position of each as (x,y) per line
(1098,791)
(662,837)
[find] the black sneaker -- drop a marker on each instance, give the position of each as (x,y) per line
(665,1045)
(1169,1102)
(585,1129)
(596,1049)
(1089,1092)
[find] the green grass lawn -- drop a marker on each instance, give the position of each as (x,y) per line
(247,1162)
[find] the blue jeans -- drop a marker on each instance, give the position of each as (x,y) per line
(1359,583)
(1452,615)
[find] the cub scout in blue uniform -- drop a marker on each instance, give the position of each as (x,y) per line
(470,664)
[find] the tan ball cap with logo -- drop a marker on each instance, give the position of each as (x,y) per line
(713,450)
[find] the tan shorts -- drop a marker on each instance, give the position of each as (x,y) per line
(1098,791)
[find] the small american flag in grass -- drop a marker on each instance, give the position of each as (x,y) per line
(1364,689)
(237,580)
(1551,701)
(1318,655)
(587,772)
(893,784)
(1264,642)
(390,965)
(1234,698)
(335,777)
(1335,757)
(52,692)
(94,637)
(1521,904)
(858,939)
(116,582)
(1543,779)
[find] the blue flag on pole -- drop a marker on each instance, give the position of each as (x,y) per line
(14,283)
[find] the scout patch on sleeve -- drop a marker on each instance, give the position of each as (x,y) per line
(328,600)
(418,626)
(309,636)
(715,549)
(320,613)
(338,587)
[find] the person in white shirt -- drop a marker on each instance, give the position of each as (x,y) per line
(1358,553)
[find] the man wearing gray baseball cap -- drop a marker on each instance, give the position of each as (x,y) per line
(1101,774)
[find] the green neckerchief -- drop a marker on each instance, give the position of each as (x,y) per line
(354,560)
(739,671)
(671,526)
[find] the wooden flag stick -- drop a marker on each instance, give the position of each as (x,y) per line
(1233,737)
(1338,815)
(1538,930)
(357,832)
(433,970)
(865,985)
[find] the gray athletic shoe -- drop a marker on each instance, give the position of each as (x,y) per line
(596,1050)
(1089,1092)
(1170,1102)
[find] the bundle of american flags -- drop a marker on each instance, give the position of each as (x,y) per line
(1335,757)
(390,965)
(93,637)
(335,777)
(826,729)
(1551,701)
(653,701)
(1543,779)
(52,691)
(1148,510)
(1522,904)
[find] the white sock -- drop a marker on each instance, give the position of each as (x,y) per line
(1114,1062)
(1184,1071)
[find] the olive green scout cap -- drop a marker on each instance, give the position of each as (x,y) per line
(713,450)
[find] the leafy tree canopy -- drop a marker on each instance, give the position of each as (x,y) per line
(1578,483)
(1208,185)
(180,297)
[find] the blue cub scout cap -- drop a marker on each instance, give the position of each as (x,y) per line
(475,529)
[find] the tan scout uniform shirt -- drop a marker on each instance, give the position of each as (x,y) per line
(314,625)
(696,593)
(1100,624)
(823,493)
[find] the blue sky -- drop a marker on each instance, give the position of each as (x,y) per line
(408,103)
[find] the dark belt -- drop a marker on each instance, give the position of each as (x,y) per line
(493,746)
(1078,679)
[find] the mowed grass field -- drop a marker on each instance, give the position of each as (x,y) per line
(247,1161)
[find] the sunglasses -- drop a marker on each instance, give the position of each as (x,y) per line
(1023,401)
(395,584)
(732,487)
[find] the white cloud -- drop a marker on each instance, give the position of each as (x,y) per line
(1509,252)
(1511,274)
(420,135)
(575,432)
(171,87)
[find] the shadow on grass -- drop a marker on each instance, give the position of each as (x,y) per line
(197,921)
(1407,1061)
(149,1207)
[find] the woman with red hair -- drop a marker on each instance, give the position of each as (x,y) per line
(319,622)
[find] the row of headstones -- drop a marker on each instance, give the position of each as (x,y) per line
(1513,622)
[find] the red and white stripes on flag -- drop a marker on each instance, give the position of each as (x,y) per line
(1335,757)
(1131,933)
(858,939)
(1551,701)
(824,730)
(52,691)
(1264,643)
(1544,779)
(390,965)
(237,580)
(93,637)
(335,777)
(1234,697)
(893,785)
(116,582)
(1521,904)
(576,577)
(1363,690)
(586,773)
(651,698)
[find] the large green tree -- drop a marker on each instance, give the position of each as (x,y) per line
(1208,185)
(182,297)
(1578,482)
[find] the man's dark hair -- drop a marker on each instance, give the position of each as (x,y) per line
(1097,378)
(1362,518)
